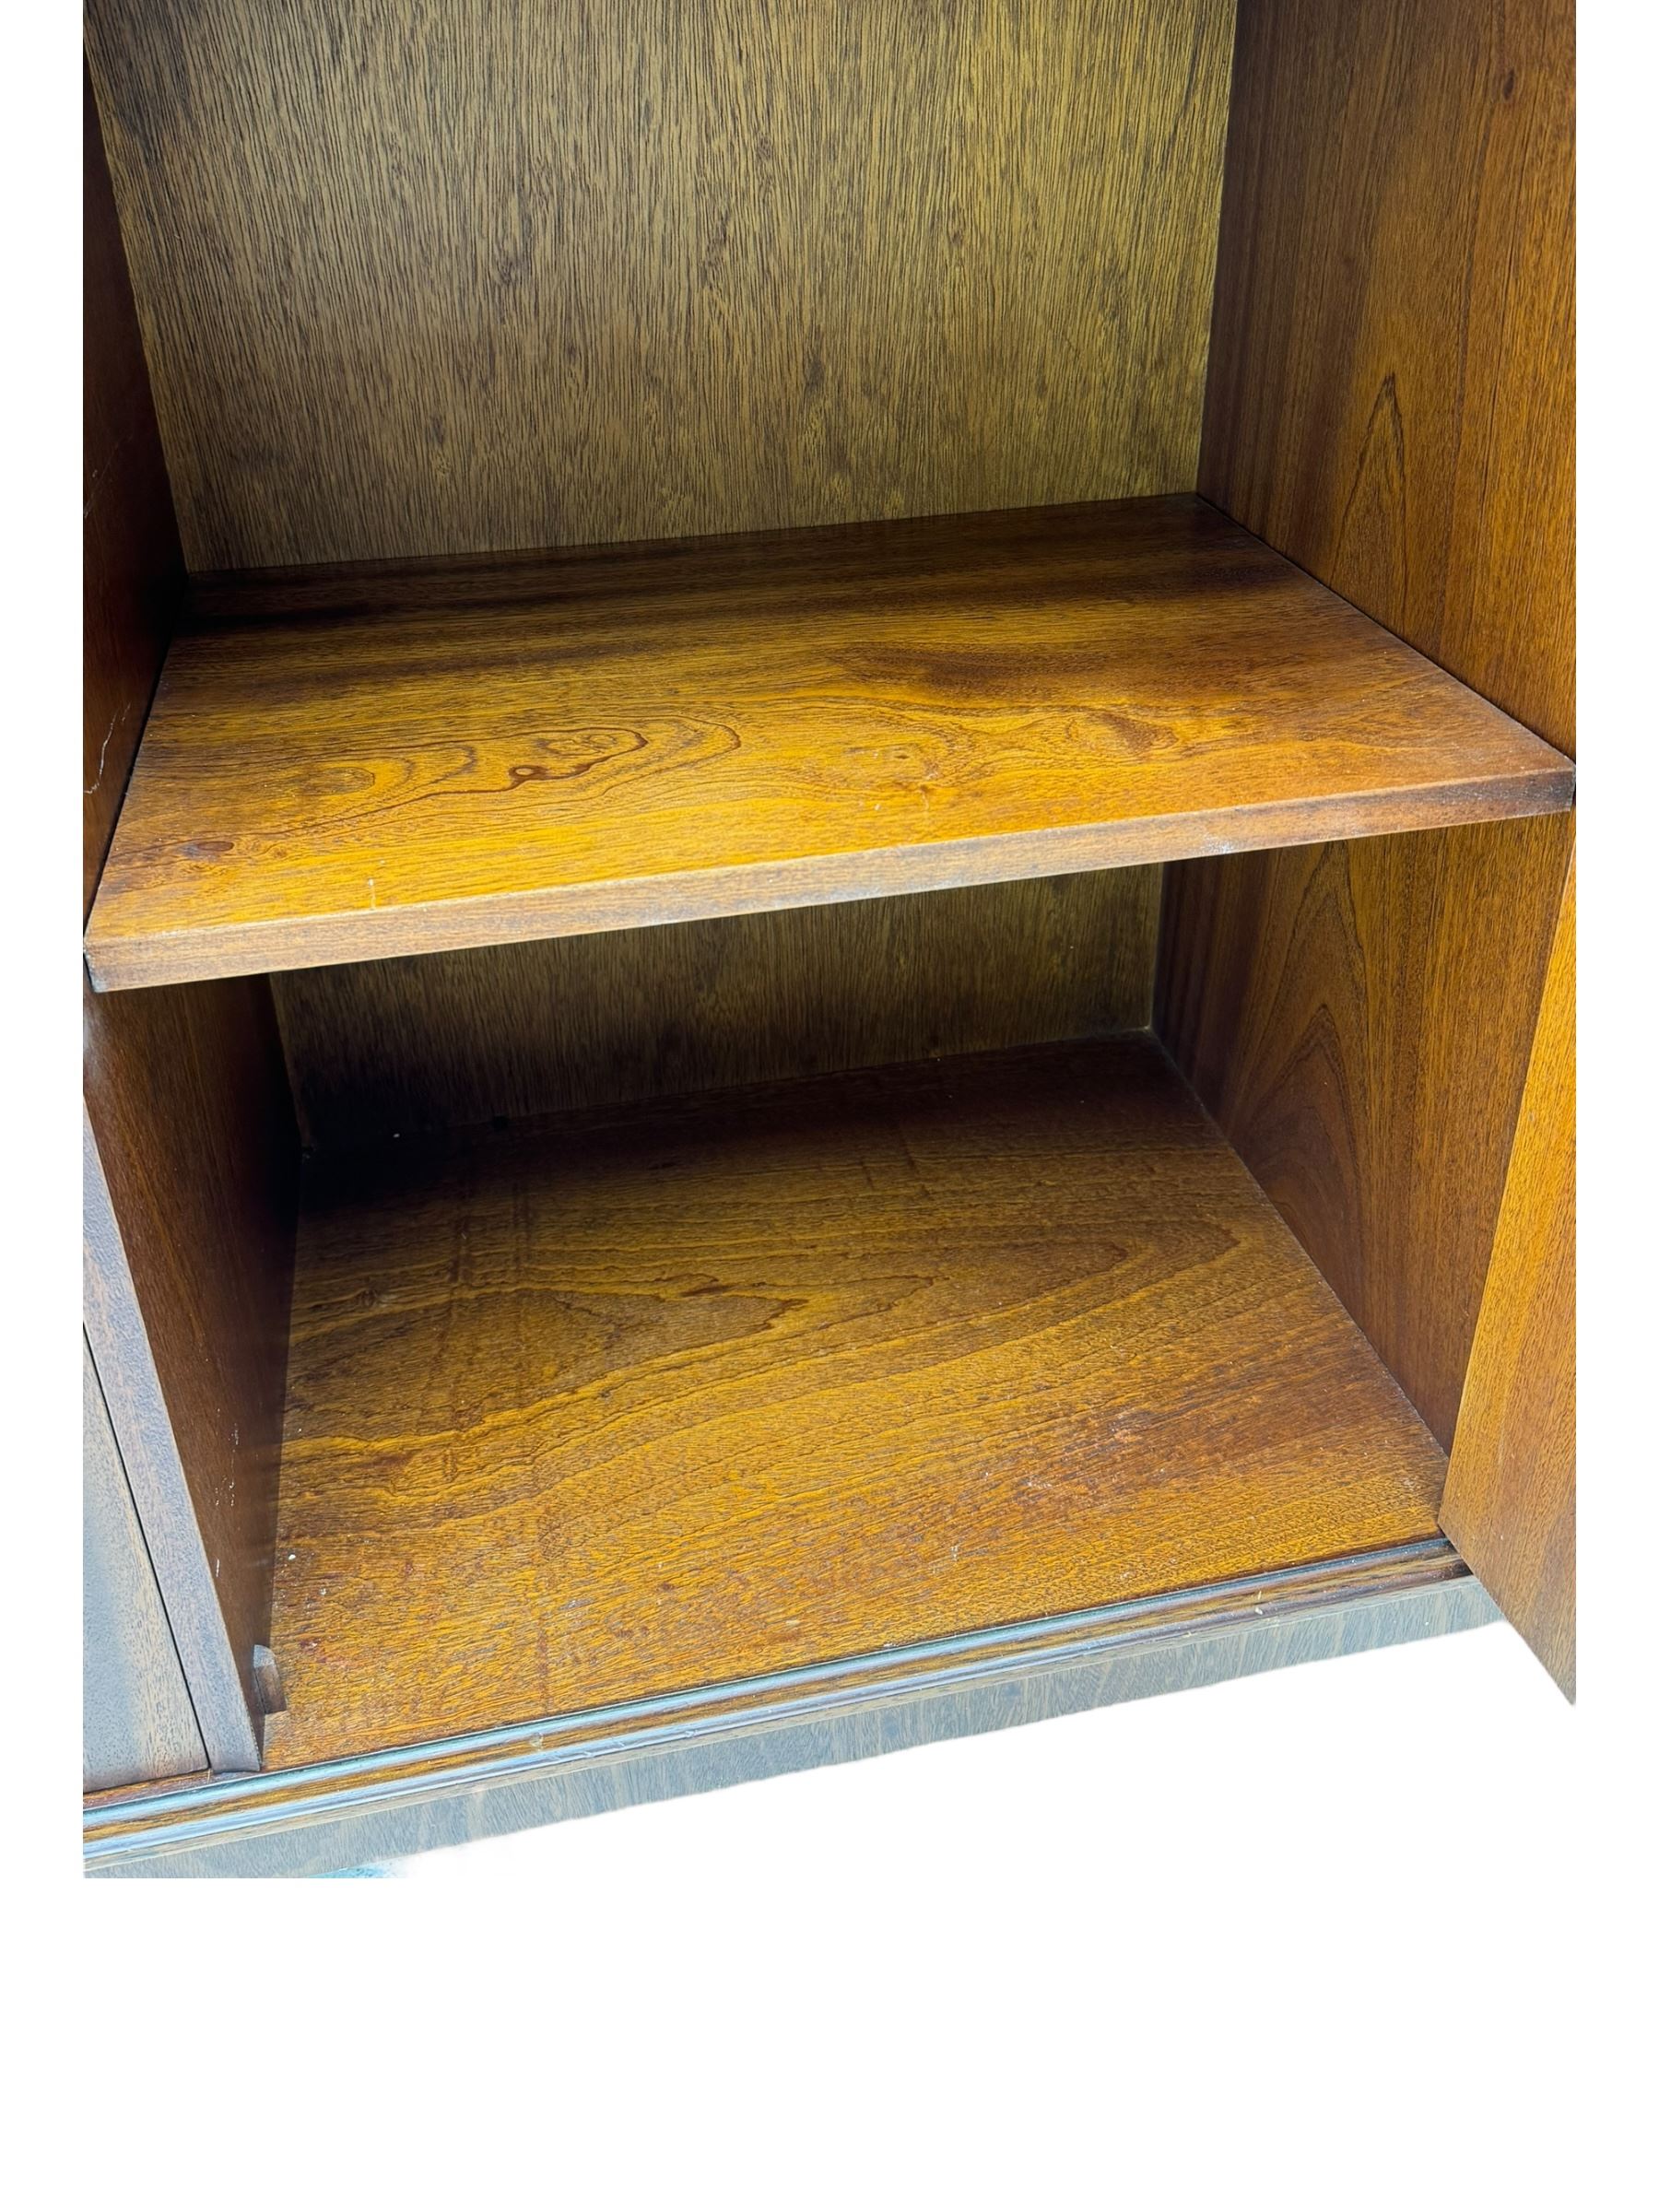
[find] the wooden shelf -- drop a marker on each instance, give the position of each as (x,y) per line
(627,1403)
(352,764)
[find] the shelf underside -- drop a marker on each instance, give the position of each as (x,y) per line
(365,763)
(627,1403)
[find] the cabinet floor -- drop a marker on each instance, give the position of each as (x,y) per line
(616,1404)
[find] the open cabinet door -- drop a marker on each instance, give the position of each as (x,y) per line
(1509,1505)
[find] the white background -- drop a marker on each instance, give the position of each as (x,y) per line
(1377,1932)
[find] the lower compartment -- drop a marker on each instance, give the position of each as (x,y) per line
(617,1406)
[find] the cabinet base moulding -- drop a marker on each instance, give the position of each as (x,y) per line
(332,1817)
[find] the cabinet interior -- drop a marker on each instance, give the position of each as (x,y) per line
(774,992)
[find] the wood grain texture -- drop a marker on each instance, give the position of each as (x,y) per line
(190,1149)
(385,1048)
(133,572)
(1356,1016)
(138,1725)
(424,278)
(373,764)
(627,1404)
(192,1191)
(187,1574)
(1509,1505)
(318,1819)
(1390,387)
(1390,404)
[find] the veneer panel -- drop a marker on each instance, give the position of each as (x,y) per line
(1356,1016)
(627,1403)
(368,764)
(443,280)
(385,1048)
(1511,1493)
(1390,387)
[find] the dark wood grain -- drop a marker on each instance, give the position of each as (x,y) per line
(1390,403)
(189,1264)
(191,1150)
(1357,1018)
(373,764)
(138,1725)
(386,1047)
(496,273)
(1390,388)
(1509,1505)
(632,1403)
(345,1813)
(132,573)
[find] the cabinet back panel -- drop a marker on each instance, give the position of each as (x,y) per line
(453,1038)
(428,279)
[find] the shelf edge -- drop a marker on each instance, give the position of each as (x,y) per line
(118,961)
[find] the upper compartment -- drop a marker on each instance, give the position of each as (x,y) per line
(438,285)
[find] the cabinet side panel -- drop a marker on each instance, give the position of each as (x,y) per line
(1391,382)
(388,1047)
(193,1152)
(1510,1501)
(1358,1018)
(189,1272)
(133,572)
(443,279)
(1390,404)
(137,1722)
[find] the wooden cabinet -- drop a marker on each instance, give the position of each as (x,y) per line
(829,796)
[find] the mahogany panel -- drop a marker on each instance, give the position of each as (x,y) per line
(1390,404)
(1390,387)
(1358,1018)
(424,279)
(133,572)
(191,1151)
(630,1403)
(382,1048)
(192,1182)
(365,764)
(1509,1505)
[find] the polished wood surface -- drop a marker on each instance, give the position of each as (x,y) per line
(138,1725)
(373,764)
(1390,389)
(1509,1505)
(640,1401)
(133,572)
(349,1814)
(190,1145)
(382,1048)
(1358,1018)
(189,1262)
(1390,404)
(497,275)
